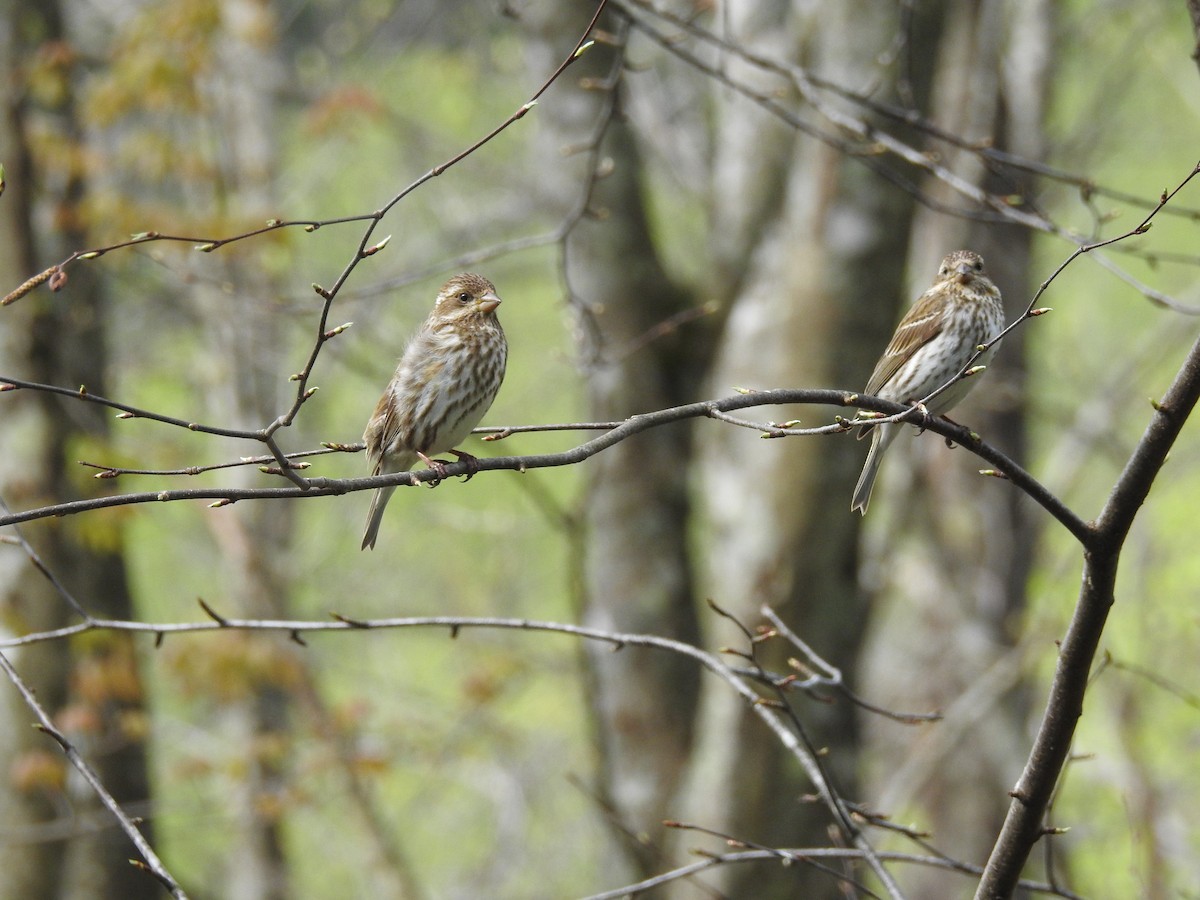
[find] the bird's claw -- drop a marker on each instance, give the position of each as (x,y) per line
(439,466)
(950,441)
(923,417)
(439,469)
(470,462)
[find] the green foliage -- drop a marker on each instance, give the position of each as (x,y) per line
(425,722)
(464,743)
(1097,363)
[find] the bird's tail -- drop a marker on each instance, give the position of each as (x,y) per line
(881,436)
(379,502)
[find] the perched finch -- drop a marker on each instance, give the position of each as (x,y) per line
(445,382)
(932,343)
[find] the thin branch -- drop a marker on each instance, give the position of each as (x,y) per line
(500,432)
(61,589)
(1162,683)
(328,487)
(8,383)
(56,277)
(832,676)
(791,856)
(109,471)
(713,860)
(153,864)
(810,759)
(769,714)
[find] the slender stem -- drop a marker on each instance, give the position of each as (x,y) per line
(152,863)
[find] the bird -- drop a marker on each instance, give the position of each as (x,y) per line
(935,339)
(447,378)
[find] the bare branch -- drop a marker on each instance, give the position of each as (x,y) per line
(782,722)
(832,676)
(328,487)
(1102,546)
(56,276)
(809,855)
(153,864)
(61,589)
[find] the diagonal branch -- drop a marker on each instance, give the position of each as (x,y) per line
(153,865)
(1023,826)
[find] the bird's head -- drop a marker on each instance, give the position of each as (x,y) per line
(962,266)
(466,296)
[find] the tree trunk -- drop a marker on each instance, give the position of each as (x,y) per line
(636,570)
(93,688)
(948,559)
(247,392)
(813,307)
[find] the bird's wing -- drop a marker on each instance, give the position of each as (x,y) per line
(380,431)
(921,324)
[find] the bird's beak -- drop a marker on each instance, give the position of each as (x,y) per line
(489,302)
(964,273)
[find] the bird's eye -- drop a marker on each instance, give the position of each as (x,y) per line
(978,265)
(465,297)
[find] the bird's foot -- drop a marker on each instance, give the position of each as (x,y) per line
(921,420)
(469,461)
(950,441)
(438,466)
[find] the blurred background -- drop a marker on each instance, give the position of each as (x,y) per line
(718,195)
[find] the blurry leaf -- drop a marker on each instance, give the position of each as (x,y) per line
(38,770)
(341,108)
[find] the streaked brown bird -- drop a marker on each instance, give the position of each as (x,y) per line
(932,343)
(447,378)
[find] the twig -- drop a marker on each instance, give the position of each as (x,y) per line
(40,565)
(153,864)
(832,676)
(810,760)
(56,277)
(711,861)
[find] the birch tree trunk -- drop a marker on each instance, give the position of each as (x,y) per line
(814,307)
(809,249)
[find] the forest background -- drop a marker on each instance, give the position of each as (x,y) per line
(708,199)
